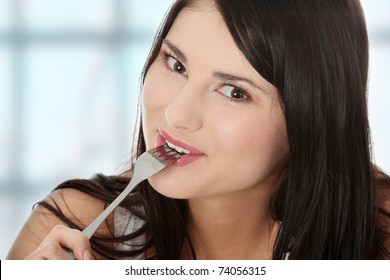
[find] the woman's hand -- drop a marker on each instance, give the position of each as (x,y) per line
(52,247)
(42,237)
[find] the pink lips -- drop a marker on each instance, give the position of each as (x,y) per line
(185,158)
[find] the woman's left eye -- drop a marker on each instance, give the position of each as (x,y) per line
(233,93)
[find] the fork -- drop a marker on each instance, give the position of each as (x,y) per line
(148,164)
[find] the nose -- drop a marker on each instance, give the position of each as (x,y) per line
(184,112)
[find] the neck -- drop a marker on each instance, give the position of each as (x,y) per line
(232,226)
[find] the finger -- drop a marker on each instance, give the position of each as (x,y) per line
(71,239)
(48,251)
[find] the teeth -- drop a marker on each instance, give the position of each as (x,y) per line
(177,148)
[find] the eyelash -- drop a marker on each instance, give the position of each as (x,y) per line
(166,55)
(234,86)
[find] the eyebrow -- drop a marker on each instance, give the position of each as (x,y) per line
(235,78)
(180,55)
(220,75)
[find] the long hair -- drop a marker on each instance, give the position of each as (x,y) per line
(316,54)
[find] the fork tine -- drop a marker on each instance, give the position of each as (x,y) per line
(172,158)
(157,149)
(165,154)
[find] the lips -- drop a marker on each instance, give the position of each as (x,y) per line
(186,158)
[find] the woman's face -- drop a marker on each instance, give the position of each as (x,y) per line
(201,94)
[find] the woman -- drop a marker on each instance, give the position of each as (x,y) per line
(270,99)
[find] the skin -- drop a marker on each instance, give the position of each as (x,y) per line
(239,127)
(242,136)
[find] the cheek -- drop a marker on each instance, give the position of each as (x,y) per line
(155,97)
(159,88)
(241,132)
(270,138)
(272,146)
(258,140)
(150,91)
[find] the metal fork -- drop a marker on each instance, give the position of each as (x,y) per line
(148,164)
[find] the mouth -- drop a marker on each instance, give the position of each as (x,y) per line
(188,153)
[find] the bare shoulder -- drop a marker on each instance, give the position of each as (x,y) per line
(78,207)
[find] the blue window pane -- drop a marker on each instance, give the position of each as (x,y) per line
(6,106)
(379,102)
(49,15)
(73,127)
(377,14)
(5,15)
(144,15)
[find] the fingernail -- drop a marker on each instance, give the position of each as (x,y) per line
(87,255)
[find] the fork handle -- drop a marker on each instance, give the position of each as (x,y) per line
(92,227)
(70,254)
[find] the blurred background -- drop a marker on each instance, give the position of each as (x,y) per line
(69,84)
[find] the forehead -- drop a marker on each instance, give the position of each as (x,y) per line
(201,21)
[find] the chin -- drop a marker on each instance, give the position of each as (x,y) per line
(171,190)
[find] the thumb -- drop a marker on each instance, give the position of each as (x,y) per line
(72,240)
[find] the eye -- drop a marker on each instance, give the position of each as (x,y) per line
(234,93)
(176,66)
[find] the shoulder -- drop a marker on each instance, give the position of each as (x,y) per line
(382,203)
(64,206)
